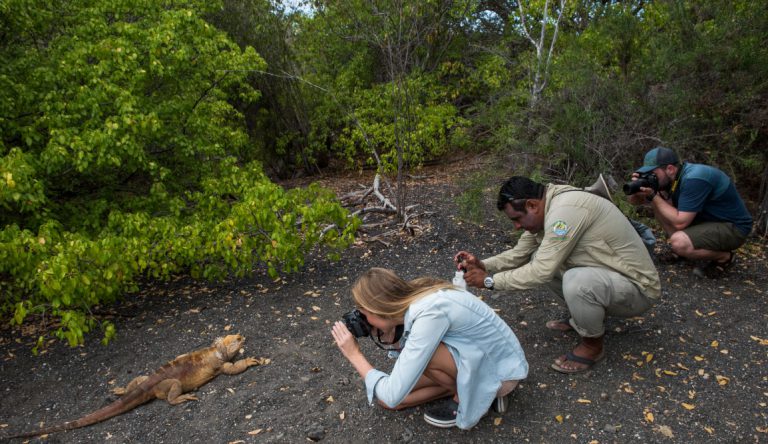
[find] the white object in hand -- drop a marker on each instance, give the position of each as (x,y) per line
(458,280)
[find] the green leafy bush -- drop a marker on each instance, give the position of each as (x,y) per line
(430,124)
(119,148)
(473,205)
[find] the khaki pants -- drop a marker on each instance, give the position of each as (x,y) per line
(591,293)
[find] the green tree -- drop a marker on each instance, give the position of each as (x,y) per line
(705,70)
(279,121)
(380,83)
(121,156)
(631,75)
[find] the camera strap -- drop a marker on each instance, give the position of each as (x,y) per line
(677,180)
(399,330)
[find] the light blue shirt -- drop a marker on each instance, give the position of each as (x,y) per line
(485,350)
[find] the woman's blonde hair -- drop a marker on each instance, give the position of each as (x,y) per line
(383,293)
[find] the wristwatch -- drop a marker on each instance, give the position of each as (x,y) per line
(488,282)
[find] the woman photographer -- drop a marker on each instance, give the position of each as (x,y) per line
(453,345)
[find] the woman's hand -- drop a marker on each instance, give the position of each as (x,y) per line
(345,341)
(349,348)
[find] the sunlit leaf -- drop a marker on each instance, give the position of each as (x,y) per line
(649,416)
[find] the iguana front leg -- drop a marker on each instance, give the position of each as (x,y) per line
(234,368)
(120,391)
(171,391)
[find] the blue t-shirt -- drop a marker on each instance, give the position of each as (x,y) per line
(710,193)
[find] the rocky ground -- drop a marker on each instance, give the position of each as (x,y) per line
(693,369)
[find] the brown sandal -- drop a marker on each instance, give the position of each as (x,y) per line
(716,270)
(570,357)
(670,258)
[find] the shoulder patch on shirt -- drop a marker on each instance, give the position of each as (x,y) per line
(560,228)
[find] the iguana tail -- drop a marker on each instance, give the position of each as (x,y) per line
(129,401)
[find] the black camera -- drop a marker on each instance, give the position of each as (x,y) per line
(645,180)
(460,258)
(356,323)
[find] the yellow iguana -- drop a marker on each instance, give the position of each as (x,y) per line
(171,382)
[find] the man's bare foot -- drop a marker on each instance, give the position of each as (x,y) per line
(559,325)
(582,358)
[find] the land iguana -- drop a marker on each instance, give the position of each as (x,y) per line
(171,382)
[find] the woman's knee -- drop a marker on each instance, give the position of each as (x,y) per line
(386,407)
(442,368)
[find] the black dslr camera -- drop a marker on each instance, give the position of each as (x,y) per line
(645,180)
(356,323)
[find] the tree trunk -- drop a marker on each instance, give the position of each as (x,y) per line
(543,59)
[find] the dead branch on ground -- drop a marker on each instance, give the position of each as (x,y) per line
(378,212)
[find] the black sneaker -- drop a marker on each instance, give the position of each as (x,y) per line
(442,414)
(500,404)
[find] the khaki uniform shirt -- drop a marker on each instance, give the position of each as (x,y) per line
(580,230)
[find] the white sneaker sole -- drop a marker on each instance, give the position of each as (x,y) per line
(440,423)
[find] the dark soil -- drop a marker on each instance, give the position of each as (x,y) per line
(693,369)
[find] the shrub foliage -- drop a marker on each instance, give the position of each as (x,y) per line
(119,159)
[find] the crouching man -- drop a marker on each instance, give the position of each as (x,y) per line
(582,247)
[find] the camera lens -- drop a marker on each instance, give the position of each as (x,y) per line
(646,180)
(634,186)
(356,323)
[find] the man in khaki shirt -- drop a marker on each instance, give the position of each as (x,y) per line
(582,247)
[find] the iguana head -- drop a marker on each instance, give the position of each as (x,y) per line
(228,346)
